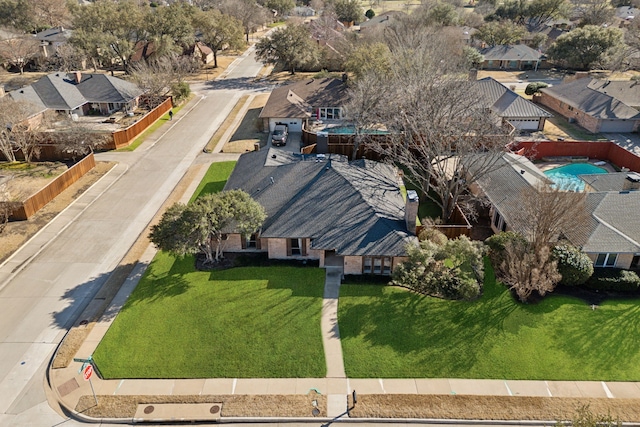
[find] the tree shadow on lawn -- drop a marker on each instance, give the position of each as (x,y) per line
(606,335)
(157,283)
(409,323)
(210,187)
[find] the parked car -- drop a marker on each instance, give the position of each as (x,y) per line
(280,135)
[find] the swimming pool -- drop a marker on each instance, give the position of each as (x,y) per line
(350,130)
(566,177)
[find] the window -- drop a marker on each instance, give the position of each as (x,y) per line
(329,113)
(496,219)
(251,242)
(296,247)
(606,260)
(376,265)
(111,106)
(570,108)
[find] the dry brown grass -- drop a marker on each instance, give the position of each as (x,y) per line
(18,232)
(208,72)
(382,406)
(249,131)
(232,405)
(224,127)
(490,407)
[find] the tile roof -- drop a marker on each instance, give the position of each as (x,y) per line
(54,35)
(506,103)
(581,94)
(300,98)
(515,52)
(353,208)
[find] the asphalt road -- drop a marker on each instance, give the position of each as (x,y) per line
(41,299)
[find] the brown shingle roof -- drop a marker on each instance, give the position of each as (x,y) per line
(301,98)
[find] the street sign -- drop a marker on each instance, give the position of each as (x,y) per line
(87,372)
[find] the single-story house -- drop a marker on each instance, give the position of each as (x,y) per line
(511,107)
(51,39)
(297,103)
(304,11)
(596,105)
(611,237)
(381,21)
(512,57)
(80,94)
(323,208)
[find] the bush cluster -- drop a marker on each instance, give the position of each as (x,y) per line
(613,279)
(574,265)
(534,87)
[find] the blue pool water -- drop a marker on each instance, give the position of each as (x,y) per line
(350,130)
(566,177)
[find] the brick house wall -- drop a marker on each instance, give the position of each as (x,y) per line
(352,265)
(591,124)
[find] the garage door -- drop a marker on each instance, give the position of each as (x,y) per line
(530,124)
(617,126)
(295,125)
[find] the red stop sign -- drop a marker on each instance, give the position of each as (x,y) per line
(87,372)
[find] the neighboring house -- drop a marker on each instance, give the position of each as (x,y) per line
(551,32)
(511,107)
(611,237)
(462,33)
(295,104)
(596,105)
(381,21)
(626,14)
(512,57)
(201,52)
(51,39)
(80,94)
(326,209)
(305,11)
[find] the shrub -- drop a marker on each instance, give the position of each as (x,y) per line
(534,87)
(370,13)
(433,235)
(613,279)
(498,242)
(451,271)
(573,264)
(180,91)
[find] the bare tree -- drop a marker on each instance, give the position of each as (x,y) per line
(440,129)
(157,77)
(13,115)
(593,12)
(19,51)
(51,13)
(249,12)
(526,270)
(546,215)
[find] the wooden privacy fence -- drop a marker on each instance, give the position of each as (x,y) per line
(122,138)
(36,201)
(602,150)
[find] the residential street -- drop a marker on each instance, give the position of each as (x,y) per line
(42,294)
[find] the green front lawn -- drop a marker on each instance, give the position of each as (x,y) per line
(215,179)
(246,322)
(390,332)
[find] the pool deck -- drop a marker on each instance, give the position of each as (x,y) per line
(547,165)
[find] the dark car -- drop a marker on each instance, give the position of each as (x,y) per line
(279,135)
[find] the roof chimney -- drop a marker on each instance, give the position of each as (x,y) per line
(473,75)
(78,76)
(411,211)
